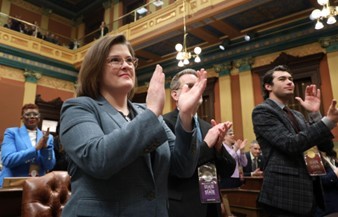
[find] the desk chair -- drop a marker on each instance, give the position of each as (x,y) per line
(45,196)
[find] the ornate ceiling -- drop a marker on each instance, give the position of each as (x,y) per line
(276,25)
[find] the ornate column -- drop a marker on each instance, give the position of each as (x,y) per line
(31,79)
(116,14)
(5,7)
(46,12)
(225,97)
(106,17)
(247,96)
(80,27)
(331,46)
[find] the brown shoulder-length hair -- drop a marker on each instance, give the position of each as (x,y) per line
(93,64)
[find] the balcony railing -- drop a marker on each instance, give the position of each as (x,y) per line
(34,30)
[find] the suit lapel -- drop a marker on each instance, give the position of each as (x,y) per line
(120,121)
(299,119)
(283,116)
(111,111)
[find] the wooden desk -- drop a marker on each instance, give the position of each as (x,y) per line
(243,200)
(10,202)
(252,183)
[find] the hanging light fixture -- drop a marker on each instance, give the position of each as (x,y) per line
(327,13)
(224,44)
(249,36)
(183,56)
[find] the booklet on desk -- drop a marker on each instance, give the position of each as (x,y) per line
(13,182)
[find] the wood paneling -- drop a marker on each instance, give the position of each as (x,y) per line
(24,14)
(11,98)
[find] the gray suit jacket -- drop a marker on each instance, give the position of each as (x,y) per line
(111,170)
(287,184)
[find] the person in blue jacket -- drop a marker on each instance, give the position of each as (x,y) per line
(27,151)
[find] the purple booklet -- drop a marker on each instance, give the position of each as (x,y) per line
(207,177)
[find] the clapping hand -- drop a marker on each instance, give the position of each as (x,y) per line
(332,113)
(188,100)
(240,144)
(156,93)
(311,100)
(257,172)
(216,134)
(43,141)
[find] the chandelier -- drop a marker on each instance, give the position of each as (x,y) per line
(327,13)
(183,56)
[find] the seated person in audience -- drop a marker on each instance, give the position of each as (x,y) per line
(16,25)
(36,31)
(255,159)
(27,29)
(8,24)
(330,184)
(26,150)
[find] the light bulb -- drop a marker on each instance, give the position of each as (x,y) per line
(197,59)
(331,20)
(221,47)
(319,25)
(315,14)
(197,50)
(247,37)
(178,47)
(325,12)
(322,2)
(180,63)
(179,56)
(186,61)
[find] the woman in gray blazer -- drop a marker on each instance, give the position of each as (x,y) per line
(120,152)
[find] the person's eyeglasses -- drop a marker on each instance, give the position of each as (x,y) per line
(31,114)
(118,61)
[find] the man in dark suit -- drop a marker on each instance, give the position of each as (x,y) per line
(288,189)
(255,165)
(184,195)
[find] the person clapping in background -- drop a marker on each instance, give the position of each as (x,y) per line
(27,151)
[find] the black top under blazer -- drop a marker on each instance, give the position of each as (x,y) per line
(287,184)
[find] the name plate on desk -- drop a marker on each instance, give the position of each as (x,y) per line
(207,177)
(13,182)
